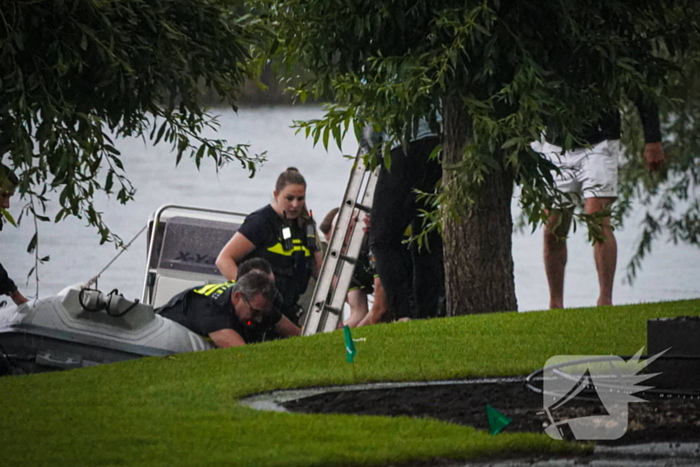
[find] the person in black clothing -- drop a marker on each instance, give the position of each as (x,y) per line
(395,207)
(284,234)
(589,171)
(230,314)
(255,264)
(8,183)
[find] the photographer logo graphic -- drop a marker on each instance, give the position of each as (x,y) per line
(606,382)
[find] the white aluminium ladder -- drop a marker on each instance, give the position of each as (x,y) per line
(327,302)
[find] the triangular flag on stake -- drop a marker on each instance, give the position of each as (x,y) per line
(349,344)
(497,421)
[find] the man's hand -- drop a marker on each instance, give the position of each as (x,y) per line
(18,298)
(653,156)
(224,338)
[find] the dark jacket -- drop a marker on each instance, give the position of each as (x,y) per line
(609,127)
(7,287)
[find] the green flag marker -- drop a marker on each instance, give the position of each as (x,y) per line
(349,344)
(497,421)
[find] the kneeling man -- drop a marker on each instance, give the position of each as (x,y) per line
(232,312)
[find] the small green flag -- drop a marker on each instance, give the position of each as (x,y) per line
(349,344)
(497,421)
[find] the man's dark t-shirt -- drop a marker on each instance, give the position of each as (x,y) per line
(204,314)
(608,127)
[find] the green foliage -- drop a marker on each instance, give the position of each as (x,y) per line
(76,74)
(183,410)
(7,216)
(669,198)
(513,68)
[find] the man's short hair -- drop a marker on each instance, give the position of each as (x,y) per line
(325,226)
(254,283)
(253,264)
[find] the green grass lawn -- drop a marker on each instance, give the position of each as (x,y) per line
(183,410)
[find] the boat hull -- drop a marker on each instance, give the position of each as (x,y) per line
(59,333)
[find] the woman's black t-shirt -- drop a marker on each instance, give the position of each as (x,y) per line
(292,267)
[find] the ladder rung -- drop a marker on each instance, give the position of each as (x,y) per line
(330,309)
(348,259)
(362,207)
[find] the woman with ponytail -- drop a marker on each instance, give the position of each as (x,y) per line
(284,234)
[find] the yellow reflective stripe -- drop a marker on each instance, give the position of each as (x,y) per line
(278,249)
(209,289)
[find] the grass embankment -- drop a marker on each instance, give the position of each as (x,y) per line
(183,410)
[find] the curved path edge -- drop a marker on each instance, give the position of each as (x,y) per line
(638,455)
(271,400)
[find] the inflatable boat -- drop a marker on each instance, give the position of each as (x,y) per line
(83,327)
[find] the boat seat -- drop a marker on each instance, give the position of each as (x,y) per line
(187,256)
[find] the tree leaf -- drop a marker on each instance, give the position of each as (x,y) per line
(32,243)
(326,136)
(511,142)
(6,214)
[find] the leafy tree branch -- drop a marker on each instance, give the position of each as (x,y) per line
(499,73)
(76,75)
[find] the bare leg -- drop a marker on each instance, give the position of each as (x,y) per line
(605,252)
(380,309)
(357,299)
(555,255)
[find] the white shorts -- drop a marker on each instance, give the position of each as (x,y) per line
(587,172)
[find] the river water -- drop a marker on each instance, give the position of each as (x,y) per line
(672,272)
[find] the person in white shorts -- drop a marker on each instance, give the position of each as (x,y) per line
(590,173)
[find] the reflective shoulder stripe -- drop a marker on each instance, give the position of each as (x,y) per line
(278,249)
(210,289)
(207,289)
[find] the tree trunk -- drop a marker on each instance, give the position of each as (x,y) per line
(478,248)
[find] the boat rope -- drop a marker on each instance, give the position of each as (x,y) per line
(94,279)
